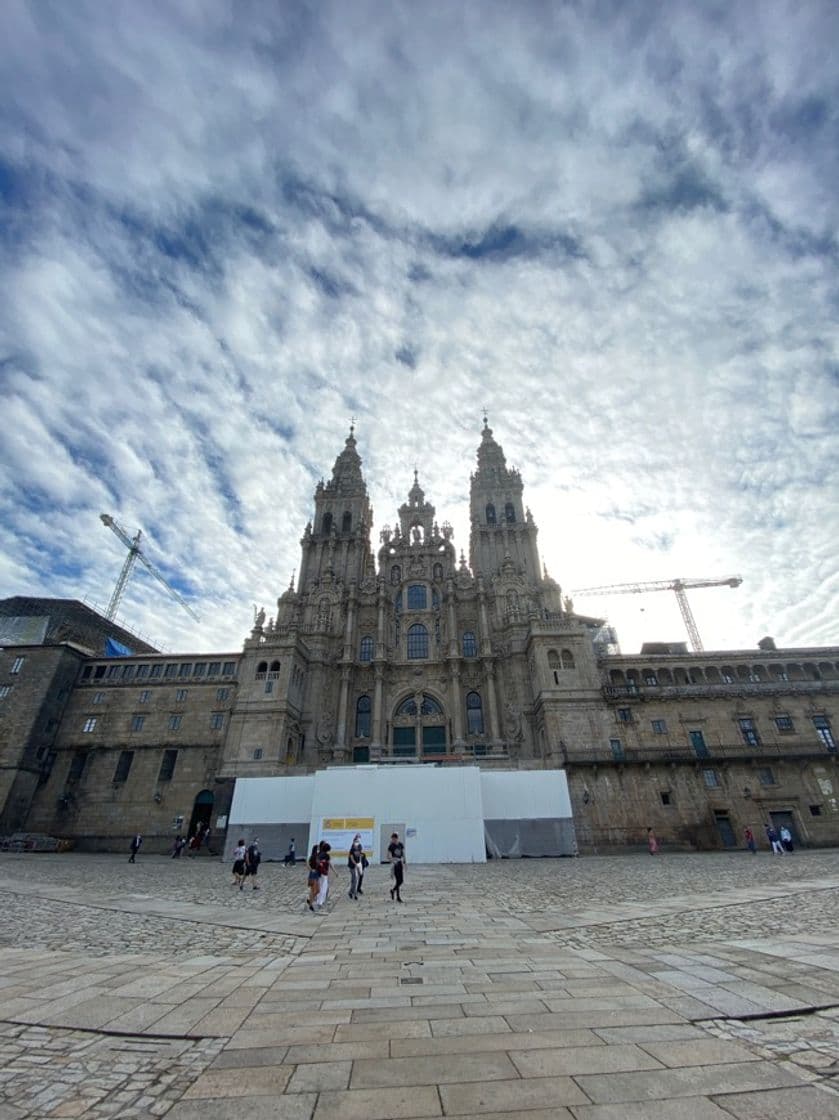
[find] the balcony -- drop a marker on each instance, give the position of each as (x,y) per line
(730,752)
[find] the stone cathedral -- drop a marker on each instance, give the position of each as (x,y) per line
(413,655)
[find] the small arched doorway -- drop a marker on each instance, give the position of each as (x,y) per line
(201,812)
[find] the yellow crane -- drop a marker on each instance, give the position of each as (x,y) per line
(135,553)
(680,586)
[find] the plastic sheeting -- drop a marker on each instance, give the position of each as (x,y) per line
(523,839)
(113,648)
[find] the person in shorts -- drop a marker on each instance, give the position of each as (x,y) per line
(239,863)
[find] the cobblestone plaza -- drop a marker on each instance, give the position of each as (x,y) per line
(695,986)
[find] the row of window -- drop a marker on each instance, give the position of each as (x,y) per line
(747,727)
(428,706)
(78,765)
(418,644)
(160,671)
(509,513)
(174,722)
(724,674)
(180,695)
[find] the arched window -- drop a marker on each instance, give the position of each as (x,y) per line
(326,524)
(567,659)
(438,572)
(417,641)
(346,522)
(261,669)
(417,597)
(395,574)
(490,514)
(430,707)
(469,644)
(474,714)
(365,649)
(407,708)
(275,666)
(509,512)
(362,717)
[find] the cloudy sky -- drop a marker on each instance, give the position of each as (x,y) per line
(226,228)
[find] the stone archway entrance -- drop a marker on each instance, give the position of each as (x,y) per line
(202,810)
(419,726)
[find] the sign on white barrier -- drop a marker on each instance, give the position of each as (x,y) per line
(341,831)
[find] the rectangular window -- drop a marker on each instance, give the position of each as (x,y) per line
(167,766)
(749,732)
(697,741)
(616,747)
(77,765)
(216,721)
(228,669)
(269,686)
(170,671)
(766,776)
(17,665)
(89,724)
(174,723)
(624,715)
(650,679)
(4,691)
(99,672)
(180,695)
(417,597)
(711,778)
(199,669)
(213,669)
(222,694)
(815,810)
(88,669)
(137,723)
(185,669)
(156,671)
(113,672)
(257,754)
(660,726)
(784,724)
(142,671)
(145,696)
(666,798)
(123,766)
(127,672)
(824,732)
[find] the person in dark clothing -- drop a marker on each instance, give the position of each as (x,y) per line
(291,855)
(354,858)
(396,851)
(136,842)
(253,858)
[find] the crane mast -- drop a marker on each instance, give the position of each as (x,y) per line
(135,553)
(679,586)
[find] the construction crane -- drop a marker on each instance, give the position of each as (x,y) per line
(678,585)
(135,553)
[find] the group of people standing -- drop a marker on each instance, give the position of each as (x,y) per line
(246,861)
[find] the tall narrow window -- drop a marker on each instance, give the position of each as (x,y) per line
(17,664)
(417,641)
(362,717)
(123,766)
(326,524)
(346,522)
(89,724)
(509,512)
(567,659)
(474,714)
(469,644)
(167,766)
(365,649)
(137,722)
(490,511)
(395,574)
(77,765)
(697,741)
(749,732)
(438,572)
(216,721)
(824,732)
(175,723)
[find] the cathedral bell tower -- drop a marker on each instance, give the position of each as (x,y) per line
(336,544)
(503,532)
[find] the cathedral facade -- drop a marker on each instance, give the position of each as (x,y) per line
(413,655)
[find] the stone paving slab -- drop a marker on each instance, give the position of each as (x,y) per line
(623,1007)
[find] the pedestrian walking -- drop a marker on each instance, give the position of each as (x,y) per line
(396,851)
(136,844)
(786,838)
(749,837)
(314,877)
(325,869)
(774,841)
(239,863)
(364,863)
(354,863)
(652,843)
(253,858)
(291,855)
(178,846)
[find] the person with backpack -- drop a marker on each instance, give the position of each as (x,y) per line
(325,868)
(314,877)
(239,863)
(253,858)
